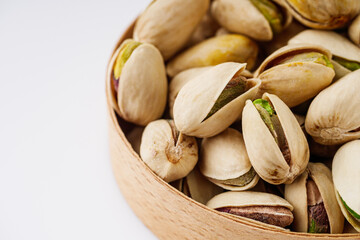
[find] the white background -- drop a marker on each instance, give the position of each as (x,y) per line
(56,180)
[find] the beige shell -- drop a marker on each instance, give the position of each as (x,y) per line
(294,82)
(179,81)
(264,153)
(333,117)
(354,31)
(213,51)
(224,157)
(346,177)
(142,91)
(295,193)
(241,16)
(169,24)
(169,156)
(198,96)
(323,14)
(338,45)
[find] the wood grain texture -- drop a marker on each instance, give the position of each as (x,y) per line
(168,213)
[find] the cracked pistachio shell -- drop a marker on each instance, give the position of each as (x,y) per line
(264,153)
(346,177)
(338,45)
(169,24)
(224,157)
(234,199)
(169,153)
(323,14)
(242,16)
(179,81)
(197,98)
(297,81)
(142,90)
(354,31)
(215,50)
(296,194)
(333,116)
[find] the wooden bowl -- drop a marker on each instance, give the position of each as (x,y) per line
(168,213)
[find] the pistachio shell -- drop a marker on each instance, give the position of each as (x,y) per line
(242,16)
(354,31)
(142,91)
(179,81)
(338,45)
(196,99)
(264,153)
(169,24)
(323,14)
(224,157)
(215,50)
(346,167)
(294,82)
(296,194)
(333,117)
(170,154)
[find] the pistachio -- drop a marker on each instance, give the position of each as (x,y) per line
(224,161)
(170,154)
(139,94)
(332,118)
(296,73)
(346,166)
(169,24)
(276,145)
(346,56)
(354,31)
(323,14)
(263,207)
(258,19)
(213,100)
(313,197)
(215,50)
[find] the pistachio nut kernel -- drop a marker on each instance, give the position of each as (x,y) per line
(127,49)
(224,161)
(313,197)
(324,14)
(351,65)
(272,14)
(345,172)
(263,207)
(213,100)
(169,153)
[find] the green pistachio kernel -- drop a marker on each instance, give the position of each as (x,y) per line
(236,86)
(271,13)
(351,65)
(243,180)
(314,57)
(123,56)
(352,212)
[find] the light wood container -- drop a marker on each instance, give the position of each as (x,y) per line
(168,213)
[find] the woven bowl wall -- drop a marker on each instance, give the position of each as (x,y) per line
(168,213)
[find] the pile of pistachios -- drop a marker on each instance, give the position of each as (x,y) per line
(251,107)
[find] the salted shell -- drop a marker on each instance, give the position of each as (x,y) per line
(354,31)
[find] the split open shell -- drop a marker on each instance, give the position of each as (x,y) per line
(215,50)
(169,153)
(294,82)
(197,98)
(296,194)
(169,24)
(323,14)
(346,177)
(242,16)
(264,153)
(354,31)
(142,85)
(338,45)
(224,161)
(333,116)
